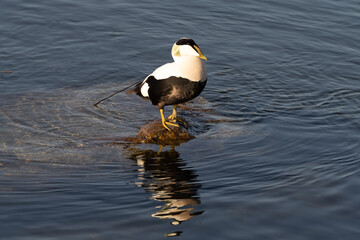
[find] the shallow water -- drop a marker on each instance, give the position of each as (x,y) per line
(276,153)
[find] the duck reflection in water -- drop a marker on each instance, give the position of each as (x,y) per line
(165,175)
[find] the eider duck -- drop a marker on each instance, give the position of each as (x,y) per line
(176,82)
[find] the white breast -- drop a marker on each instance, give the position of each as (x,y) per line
(192,68)
(189,67)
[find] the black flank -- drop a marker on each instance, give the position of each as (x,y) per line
(173,90)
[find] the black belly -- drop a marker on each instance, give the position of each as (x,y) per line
(173,90)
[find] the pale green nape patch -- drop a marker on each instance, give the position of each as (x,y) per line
(175,51)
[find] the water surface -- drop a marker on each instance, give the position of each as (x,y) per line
(276,153)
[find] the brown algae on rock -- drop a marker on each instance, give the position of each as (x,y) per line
(155,133)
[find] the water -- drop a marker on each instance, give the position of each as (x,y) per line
(276,153)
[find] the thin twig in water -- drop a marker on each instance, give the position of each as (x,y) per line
(132,85)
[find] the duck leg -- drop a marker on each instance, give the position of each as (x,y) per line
(164,123)
(173,117)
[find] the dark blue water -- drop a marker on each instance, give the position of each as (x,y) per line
(277,147)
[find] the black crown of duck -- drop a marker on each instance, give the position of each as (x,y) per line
(176,82)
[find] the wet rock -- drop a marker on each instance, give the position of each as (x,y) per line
(154,132)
